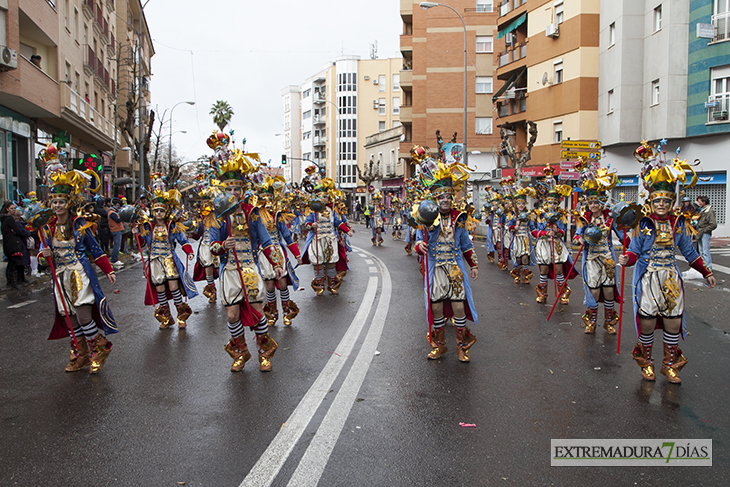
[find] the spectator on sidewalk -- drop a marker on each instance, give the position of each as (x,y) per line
(104,233)
(705,225)
(14,246)
(116,227)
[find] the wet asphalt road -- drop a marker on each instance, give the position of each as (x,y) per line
(352,399)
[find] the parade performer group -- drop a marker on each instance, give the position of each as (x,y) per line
(244,221)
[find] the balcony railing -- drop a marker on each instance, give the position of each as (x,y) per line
(509,5)
(717,108)
(89,60)
(721,22)
(88,8)
(74,102)
(512,54)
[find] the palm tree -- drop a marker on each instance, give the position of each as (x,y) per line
(222,113)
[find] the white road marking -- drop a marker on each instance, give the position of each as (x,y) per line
(24,303)
(318,453)
(372,269)
(269,464)
(715,267)
(369,261)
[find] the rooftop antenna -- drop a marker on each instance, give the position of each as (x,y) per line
(374,50)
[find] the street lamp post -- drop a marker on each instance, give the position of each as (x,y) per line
(426,6)
(169,159)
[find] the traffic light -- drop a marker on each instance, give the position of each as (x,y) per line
(90,161)
(283,158)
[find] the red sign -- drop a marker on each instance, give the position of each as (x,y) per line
(569,175)
(531,171)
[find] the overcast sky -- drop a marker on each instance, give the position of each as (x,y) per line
(245,52)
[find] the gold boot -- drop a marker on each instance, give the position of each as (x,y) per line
(408,249)
(210,292)
(526,276)
(464,340)
(611,319)
(290,310)
(437,340)
(101,348)
(642,356)
(318,285)
(238,350)
(271,311)
(183,313)
(79,358)
(374,241)
(589,320)
(162,313)
(333,284)
(541,290)
(515,273)
(565,297)
(672,363)
(267,349)
(490,256)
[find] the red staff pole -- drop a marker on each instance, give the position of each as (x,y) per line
(557,298)
(60,291)
(555,274)
(621,304)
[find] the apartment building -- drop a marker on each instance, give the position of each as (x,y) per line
(290,97)
(58,83)
(548,64)
(665,74)
(337,109)
(432,80)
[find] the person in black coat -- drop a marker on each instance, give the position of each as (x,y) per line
(14,245)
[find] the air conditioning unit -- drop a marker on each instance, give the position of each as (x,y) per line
(510,39)
(552,30)
(375,81)
(376,104)
(496,174)
(8,58)
(366,77)
(510,94)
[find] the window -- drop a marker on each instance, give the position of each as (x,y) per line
(655,92)
(558,132)
(306,115)
(484,84)
(396,105)
(558,77)
(3,24)
(559,15)
(67,73)
(307,135)
(483,126)
(381,106)
(658,18)
(307,93)
(396,82)
(381,126)
(720,81)
(612,34)
(610,101)
(484,43)
(65,15)
(485,5)
(381,83)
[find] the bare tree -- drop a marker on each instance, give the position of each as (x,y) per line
(519,161)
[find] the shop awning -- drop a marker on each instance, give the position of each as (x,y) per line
(512,25)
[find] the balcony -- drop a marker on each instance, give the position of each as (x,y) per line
(112,47)
(88,8)
(78,111)
(721,22)
(512,54)
(89,60)
(406,113)
(317,141)
(319,119)
(717,109)
(406,43)
(406,78)
(319,98)
(509,5)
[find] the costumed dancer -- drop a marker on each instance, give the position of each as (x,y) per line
(414,190)
(271,203)
(235,241)
(489,210)
(377,218)
(598,261)
(449,256)
(659,298)
(81,309)
(497,214)
(521,247)
(206,264)
(343,241)
(396,219)
(321,248)
(507,215)
(166,272)
(549,226)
